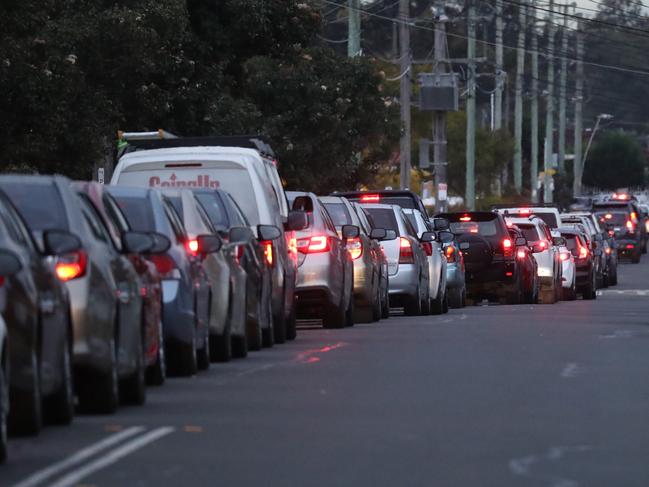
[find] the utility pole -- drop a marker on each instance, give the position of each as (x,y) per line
(470,109)
(562,92)
(405,89)
(549,113)
(354,28)
(578,167)
(498,95)
(439,117)
(518,106)
(534,115)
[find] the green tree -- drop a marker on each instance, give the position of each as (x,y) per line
(616,160)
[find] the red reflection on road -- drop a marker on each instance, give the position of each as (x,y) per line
(309,356)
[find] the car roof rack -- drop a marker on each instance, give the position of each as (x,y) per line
(161,139)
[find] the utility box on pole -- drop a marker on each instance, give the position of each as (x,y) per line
(439,92)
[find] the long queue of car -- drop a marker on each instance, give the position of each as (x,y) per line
(195,254)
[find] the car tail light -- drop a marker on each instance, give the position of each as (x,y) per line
(611,232)
(313,245)
(465,218)
(508,247)
(521,254)
(71,266)
(634,216)
(192,247)
(370,198)
(2,281)
(543,244)
(630,226)
(267,245)
(630,246)
(164,264)
(583,251)
(355,247)
(238,253)
(428,248)
(406,256)
(451,254)
(564,256)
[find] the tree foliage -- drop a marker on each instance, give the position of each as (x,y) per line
(615,161)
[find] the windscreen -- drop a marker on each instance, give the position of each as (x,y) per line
(214,208)
(228,176)
(384,218)
(137,212)
(529,232)
(615,218)
(338,213)
(29,198)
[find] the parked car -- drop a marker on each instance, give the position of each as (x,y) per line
(596,242)
(437,298)
(365,252)
(585,279)
(182,286)
(455,268)
(403,198)
(546,253)
(492,270)
(247,169)
(232,225)
(325,278)
(223,325)
(407,261)
(103,286)
(528,264)
(384,280)
(151,288)
(6,268)
(36,309)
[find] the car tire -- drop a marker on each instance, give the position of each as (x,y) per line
(156,374)
(364,314)
(377,305)
(100,393)
(25,410)
(291,323)
(385,304)
(4,403)
(456,297)
(132,389)
(612,279)
(549,295)
(186,359)
(590,291)
(221,346)
(349,312)
(59,407)
(437,304)
(412,304)
(635,259)
(279,323)
(203,355)
(335,315)
(239,346)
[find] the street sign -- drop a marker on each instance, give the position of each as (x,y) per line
(442,192)
(100,175)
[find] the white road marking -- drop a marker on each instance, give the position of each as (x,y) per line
(113,456)
(42,475)
(463,316)
(618,334)
(570,370)
(522,466)
(623,292)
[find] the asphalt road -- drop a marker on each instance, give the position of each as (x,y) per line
(554,396)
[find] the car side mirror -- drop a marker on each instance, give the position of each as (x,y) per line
(240,234)
(521,242)
(350,231)
(390,235)
(136,242)
(297,220)
(378,234)
(58,242)
(445,236)
(9,263)
(161,243)
(559,241)
(209,244)
(441,224)
(268,232)
(428,237)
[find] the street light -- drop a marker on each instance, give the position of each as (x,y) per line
(600,117)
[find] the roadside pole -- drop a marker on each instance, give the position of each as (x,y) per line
(354,28)
(563,80)
(439,117)
(534,115)
(578,167)
(518,106)
(470,110)
(549,113)
(405,90)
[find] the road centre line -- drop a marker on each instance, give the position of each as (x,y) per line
(113,456)
(83,454)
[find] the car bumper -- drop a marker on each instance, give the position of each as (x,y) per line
(454,276)
(363,289)
(405,281)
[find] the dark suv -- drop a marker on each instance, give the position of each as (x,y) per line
(621,218)
(403,198)
(492,269)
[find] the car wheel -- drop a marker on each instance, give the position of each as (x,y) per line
(221,346)
(437,304)
(184,356)
(279,323)
(349,312)
(590,290)
(412,304)
(548,295)
(100,392)
(203,355)
(385,304)
(133,388)
(635,259)
(456,297)
(612,280)
(291,323)
(239,346)
(59,407)
(335,315)
(253,327)
(377,306)
(156,374)
(25,410)
(4,404)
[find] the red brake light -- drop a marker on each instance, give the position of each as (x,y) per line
(370,198)
(521,254)
(465,218)
(406,255)
(163,263)
(634,216)
(192,247)
(355,247)
(543,244)
(608,251)
(311,245)
(451,254)
(608,216)
(238,253)
(508,247)
(71,266)
(630,246)
(630,226)
(583,251)
(525,211)
(267,245)
(564,256)
(428,248)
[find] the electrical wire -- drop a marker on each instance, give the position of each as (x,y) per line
(332,41)
(400,76)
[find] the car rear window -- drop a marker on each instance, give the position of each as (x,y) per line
(529,232)
(215,209)
(571,242)
(177,203)
(486,229)
(384,218)
(29,198)
(137,212)
(617,218)
(550,219)
(338,213)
